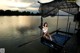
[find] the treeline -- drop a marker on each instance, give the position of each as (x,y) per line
(9,12)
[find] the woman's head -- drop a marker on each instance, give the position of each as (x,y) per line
(46,24)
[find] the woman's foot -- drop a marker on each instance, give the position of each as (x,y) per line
(52,45)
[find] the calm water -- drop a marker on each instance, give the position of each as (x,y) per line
(17,30)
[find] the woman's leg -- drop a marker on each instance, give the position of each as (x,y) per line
(49,36)
(44,35)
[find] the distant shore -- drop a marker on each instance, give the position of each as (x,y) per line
(18,13)
(27,15)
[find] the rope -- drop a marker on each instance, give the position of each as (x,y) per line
(29,42)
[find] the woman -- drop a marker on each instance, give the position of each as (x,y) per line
(45,31)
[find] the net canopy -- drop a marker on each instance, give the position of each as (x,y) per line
(52,8)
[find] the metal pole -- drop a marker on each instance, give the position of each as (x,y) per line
(75,27)
(57,21)
(69,26)
(67,22)
(41,22)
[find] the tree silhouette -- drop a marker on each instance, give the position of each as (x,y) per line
(9,12)
(1,12)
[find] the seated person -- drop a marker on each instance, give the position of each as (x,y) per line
(45,32)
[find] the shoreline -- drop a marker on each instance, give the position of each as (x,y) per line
(33,15)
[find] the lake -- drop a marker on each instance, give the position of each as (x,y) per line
(17,30)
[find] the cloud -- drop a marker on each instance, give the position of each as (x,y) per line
(35,5)
(12,5)
(30,1)
(23,5)
(20,4)
(44,1)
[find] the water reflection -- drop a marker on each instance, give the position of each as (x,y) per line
(16,30)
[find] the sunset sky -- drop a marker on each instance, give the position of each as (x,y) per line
(23,5)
